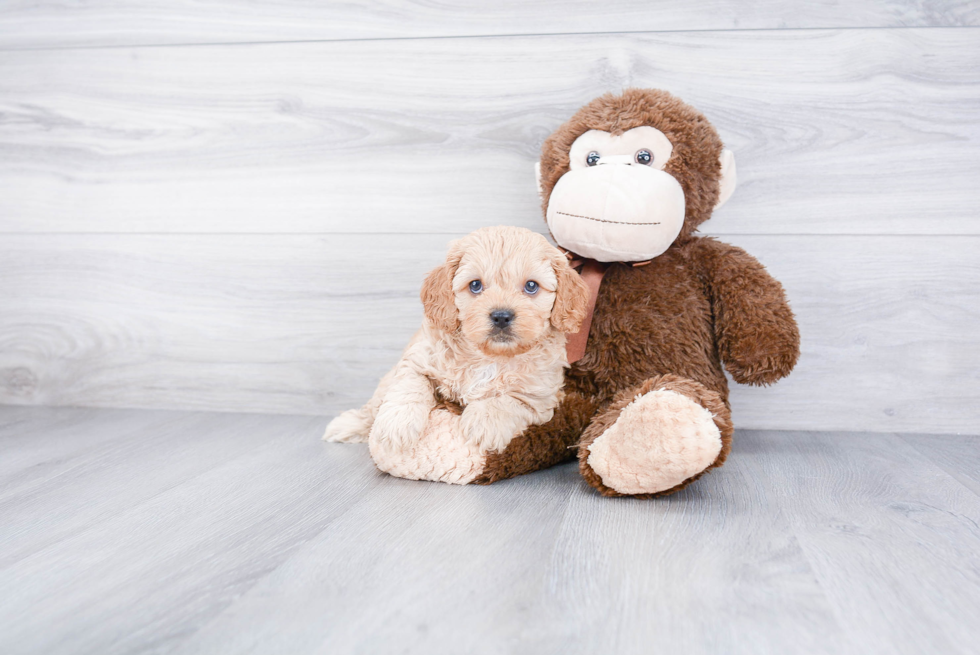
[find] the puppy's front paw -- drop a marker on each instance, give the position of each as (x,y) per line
(398,425)
(489,429)
(349,427)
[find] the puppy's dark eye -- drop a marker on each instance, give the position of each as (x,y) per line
(644,157)
(476,286)
(530,287)
(592,159)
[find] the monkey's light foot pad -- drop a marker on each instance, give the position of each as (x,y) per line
(659,440)
(125,531)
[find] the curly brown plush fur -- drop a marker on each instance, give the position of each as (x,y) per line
(671,324)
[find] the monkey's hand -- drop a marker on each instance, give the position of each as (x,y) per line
(757,336)
(764,370)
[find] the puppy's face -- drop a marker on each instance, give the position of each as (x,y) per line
(504,291)
(505,288)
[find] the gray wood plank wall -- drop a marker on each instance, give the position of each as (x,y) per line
(231,205)
(51,23)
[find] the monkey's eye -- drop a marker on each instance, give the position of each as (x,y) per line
(592,159)
(476,287)
(530,287)
(644,157)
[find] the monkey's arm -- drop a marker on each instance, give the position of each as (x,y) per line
(758,339)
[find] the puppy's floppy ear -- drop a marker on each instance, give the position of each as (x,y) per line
(438,299)
(571,298)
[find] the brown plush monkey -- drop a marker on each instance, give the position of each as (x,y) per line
(626,181)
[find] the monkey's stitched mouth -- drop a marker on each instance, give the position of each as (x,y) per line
(602,220)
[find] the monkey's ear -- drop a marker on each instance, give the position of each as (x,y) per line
(438,299)
(537,176)
(726,185)
(571,298)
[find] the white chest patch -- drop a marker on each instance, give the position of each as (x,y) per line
(482,378)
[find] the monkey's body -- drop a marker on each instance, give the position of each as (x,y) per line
(649,320)
(663,326)
(629,178)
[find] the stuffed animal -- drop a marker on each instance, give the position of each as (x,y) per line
(625,183)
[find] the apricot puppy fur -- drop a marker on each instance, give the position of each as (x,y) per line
(493,341)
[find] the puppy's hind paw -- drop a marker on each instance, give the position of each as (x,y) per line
(349,427)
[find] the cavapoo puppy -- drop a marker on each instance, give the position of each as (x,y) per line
(492,342)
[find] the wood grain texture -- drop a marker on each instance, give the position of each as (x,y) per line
(86,485)
(308,324)
(181,545)
(957,454)
(886,329)
(872,508)
(50,24)
(29,462)
(277,542)
(632,577)
(448,572)
(835,132)
(253,322)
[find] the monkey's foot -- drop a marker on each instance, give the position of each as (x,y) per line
(655,439)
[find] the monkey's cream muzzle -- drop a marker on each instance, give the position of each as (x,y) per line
(616,211)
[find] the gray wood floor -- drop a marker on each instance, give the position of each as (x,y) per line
(152,531)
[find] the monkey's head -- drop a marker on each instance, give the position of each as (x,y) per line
(628,175)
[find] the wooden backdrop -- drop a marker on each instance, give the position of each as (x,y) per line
(231,205)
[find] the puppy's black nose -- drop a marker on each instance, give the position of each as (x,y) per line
(501,318)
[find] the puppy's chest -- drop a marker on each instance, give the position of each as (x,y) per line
(471,383)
